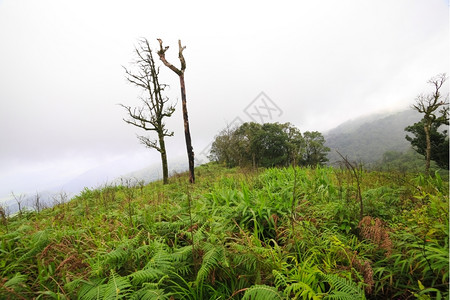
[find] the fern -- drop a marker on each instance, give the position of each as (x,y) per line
(182,254)
(92,290)
(301,289)
(116,258)
(17,281)
(16,284)
(162,260)
(150,294)
(145,275)
(39,241)
(143,251)
(261,292)
(211,260)
(118,287)
(343,289)
(280,280)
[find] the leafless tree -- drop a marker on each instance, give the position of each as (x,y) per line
(19,200)
(150,116)
(180,73)
(429,105)
(60,198)
(36,202)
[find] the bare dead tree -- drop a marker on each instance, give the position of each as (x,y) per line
(37,205)
(60,198)
(19,200)
(429,105)
(154,107)
(180,73)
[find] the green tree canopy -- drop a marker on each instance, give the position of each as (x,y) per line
(315,151)
(268,145)
(438,139)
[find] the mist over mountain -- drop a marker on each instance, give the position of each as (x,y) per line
(366,139)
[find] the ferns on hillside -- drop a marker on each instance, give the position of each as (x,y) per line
(251,241)
(343,289)
(214,257)
(262,292)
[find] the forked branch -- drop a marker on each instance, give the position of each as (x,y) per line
(162,56)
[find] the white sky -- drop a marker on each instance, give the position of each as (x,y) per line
(320,62)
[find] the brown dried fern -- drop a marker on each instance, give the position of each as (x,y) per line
(375,231)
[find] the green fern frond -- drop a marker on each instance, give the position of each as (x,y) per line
(262,292)
(145,275)
(339,295)
(51,295)
(150,294)
(17,284)
(211,260)
(16,281)
(92,290)
(162,260)
(280,279)
(182,254)
(143,251)
(39,241)
(116,258)
(117,287)
(301,289)
(342,288)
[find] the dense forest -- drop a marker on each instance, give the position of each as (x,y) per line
(238,233)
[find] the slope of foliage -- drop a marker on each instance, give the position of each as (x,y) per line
(367,138)
(237,234)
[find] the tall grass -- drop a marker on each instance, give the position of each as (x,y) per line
(237,234)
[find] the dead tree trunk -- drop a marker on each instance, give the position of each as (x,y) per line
(180,73)
(427,127)
(162,146)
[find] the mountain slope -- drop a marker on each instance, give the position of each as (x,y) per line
(234,234)
(366,139)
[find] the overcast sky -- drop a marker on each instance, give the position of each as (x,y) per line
(318,63)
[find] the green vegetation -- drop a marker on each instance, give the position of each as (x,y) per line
(289,233)
(367,139)
(409,161)
(268,145)
(439,150)
(427,140)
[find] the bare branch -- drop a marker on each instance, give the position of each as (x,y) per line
(181,57)
(162,56)
(149,143)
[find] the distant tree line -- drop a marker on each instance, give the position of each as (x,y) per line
(268,145)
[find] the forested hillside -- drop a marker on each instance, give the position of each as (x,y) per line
(367,139)
(279,233)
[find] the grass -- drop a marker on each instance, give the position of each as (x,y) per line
(236,234)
